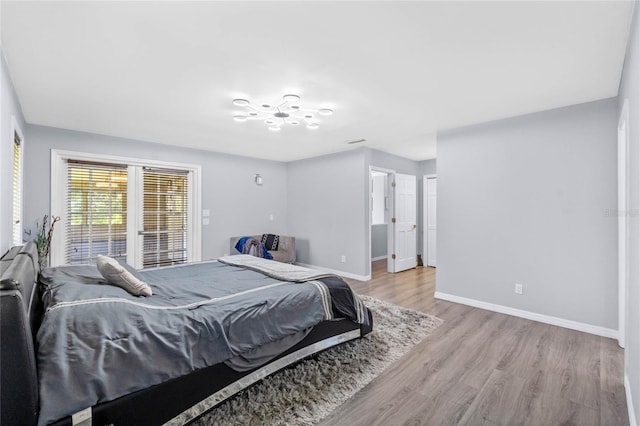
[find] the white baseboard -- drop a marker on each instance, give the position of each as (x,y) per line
(630,409)
(560,322)
(336,272)
(379,258)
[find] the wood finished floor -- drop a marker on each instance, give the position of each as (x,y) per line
(485,368)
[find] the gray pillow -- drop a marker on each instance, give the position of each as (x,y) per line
(117,275)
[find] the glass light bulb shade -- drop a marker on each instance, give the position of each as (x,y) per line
(253,114)
(325,111)
(295,107)
(312,126)
(269,122)
(274,128)
(308,116)
(240,102)
(294,123)
(291,98)
(266,106)
(240,118)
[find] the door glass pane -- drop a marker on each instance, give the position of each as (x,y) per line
(17,191)
(96,212)
(165,217)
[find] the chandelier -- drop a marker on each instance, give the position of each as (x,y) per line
(288,112)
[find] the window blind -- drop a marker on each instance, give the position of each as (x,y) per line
(17,191)
(96,211)
(165,216)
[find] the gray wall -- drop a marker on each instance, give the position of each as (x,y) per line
(393,162)
(630,89)
(526,200)
(328,210)
(427,167)
(10,108)
(329,207)
(237,205)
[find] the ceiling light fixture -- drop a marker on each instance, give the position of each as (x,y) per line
(288,112)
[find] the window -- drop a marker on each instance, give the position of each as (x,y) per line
(96,211)
(143,213)
(17,189)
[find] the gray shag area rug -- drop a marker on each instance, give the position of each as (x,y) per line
(307,392)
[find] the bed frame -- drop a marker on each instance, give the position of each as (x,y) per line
(20,316)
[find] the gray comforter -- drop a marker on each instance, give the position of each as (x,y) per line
(97,342)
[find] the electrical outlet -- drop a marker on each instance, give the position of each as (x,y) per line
(343,259)
(518,288)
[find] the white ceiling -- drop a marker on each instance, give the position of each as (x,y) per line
(395,73)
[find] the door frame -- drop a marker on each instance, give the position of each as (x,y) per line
(623,221)
(391,177)
(425,228)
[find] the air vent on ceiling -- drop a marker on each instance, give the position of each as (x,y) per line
(356,141)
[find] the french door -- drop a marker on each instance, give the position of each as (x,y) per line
(163,219)
(96,214)
(145,215)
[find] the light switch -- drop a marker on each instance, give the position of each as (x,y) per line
(205,221)
(206,213)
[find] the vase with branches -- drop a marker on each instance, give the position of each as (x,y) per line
(43,239)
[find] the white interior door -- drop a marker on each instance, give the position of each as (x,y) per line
(405,223)
(430,184)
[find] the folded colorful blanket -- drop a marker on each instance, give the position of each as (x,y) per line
(253,247)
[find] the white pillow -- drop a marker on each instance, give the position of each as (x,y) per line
(117,275)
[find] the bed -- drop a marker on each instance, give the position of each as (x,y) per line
(73,347)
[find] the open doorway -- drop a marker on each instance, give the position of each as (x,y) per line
(381,202)
(392,218)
